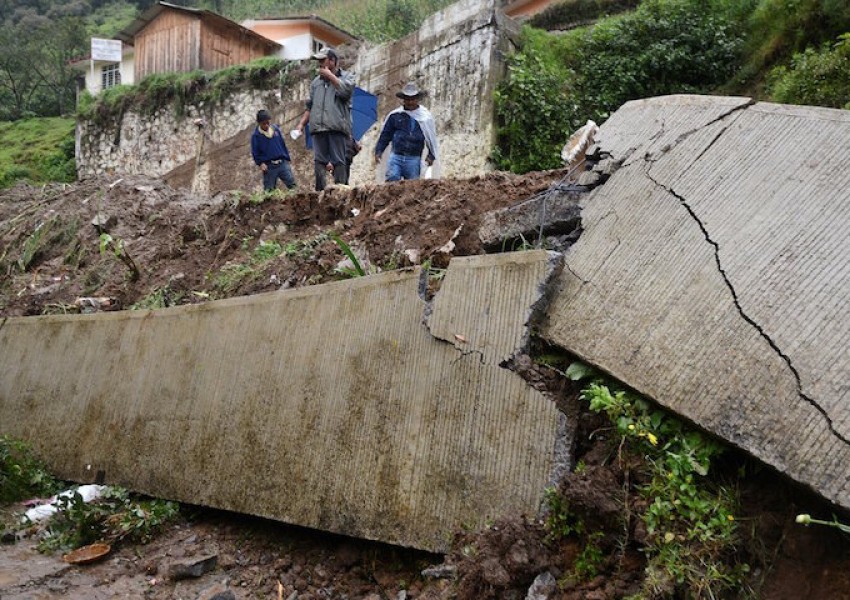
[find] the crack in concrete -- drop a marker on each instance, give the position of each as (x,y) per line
(537,310)
(648,157)
(736,301)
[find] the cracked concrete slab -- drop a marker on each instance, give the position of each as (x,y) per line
(332,407)
(712,275)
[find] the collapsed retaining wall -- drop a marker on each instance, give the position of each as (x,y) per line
(334,406)
(712,275)
(457,56)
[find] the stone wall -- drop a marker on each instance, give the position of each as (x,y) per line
(457,56)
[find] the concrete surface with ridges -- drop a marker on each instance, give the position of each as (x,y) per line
(330,407)
(712,276)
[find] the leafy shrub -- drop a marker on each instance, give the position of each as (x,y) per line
(117,516)
(556,83)
(692,539)
(22,475)
(819,77)
(664,47)
(11,174)
(779,28)
(532,121)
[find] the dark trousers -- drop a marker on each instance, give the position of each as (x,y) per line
(329,147)
(274,172)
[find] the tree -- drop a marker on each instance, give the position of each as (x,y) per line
(58,44)
(18,80)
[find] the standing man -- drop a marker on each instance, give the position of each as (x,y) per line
(410,128)
(270,153)
(329,114)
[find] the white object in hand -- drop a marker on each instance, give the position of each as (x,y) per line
(295,134)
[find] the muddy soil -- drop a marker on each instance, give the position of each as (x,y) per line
(190,249)
(153,246)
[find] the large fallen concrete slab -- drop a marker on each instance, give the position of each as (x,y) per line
(335,407)
(713,275)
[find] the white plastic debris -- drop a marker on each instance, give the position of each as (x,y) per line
(579,142)
(355,211)
(45,511)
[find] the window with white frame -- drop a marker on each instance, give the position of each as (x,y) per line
(110,76)
(317,45)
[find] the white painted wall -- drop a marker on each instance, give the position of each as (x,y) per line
(127,69)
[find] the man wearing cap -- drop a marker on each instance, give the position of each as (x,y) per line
(270,153)
(410,128)
(329,114)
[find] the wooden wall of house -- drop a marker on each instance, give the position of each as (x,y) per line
(223,46)
(169,43)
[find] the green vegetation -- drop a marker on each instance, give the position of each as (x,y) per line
(117,516)
(357,270)
(820,77)
(232,276)
(22,475)
(159,298)
(38,150)
(116,246)
(780,50)
(692,540)
(176,90)
(808,520)
(560,521)
(556,83)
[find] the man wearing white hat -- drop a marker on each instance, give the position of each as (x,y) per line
(411,130)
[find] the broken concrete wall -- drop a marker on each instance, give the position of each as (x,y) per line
(334,406)
(712,275)
(457,56)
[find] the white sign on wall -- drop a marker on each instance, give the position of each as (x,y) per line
(106,49)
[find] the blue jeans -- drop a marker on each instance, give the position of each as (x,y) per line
(274,172)
(400,166)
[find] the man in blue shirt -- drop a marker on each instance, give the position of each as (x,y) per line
(270,153)
(410,129)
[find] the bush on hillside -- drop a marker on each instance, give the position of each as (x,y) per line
(780,28)
(556,83)
(820,77)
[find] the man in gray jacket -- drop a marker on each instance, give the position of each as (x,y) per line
(329,114)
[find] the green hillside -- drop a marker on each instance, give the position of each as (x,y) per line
(37,149)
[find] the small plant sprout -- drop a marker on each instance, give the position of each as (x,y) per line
(117,247)
(805,519)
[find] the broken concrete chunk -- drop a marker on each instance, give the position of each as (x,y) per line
(193,569)
(559,213)
(735,289)
(589,178)
(366,431)
(606,167)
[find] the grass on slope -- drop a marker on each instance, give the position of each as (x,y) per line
(40,150)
